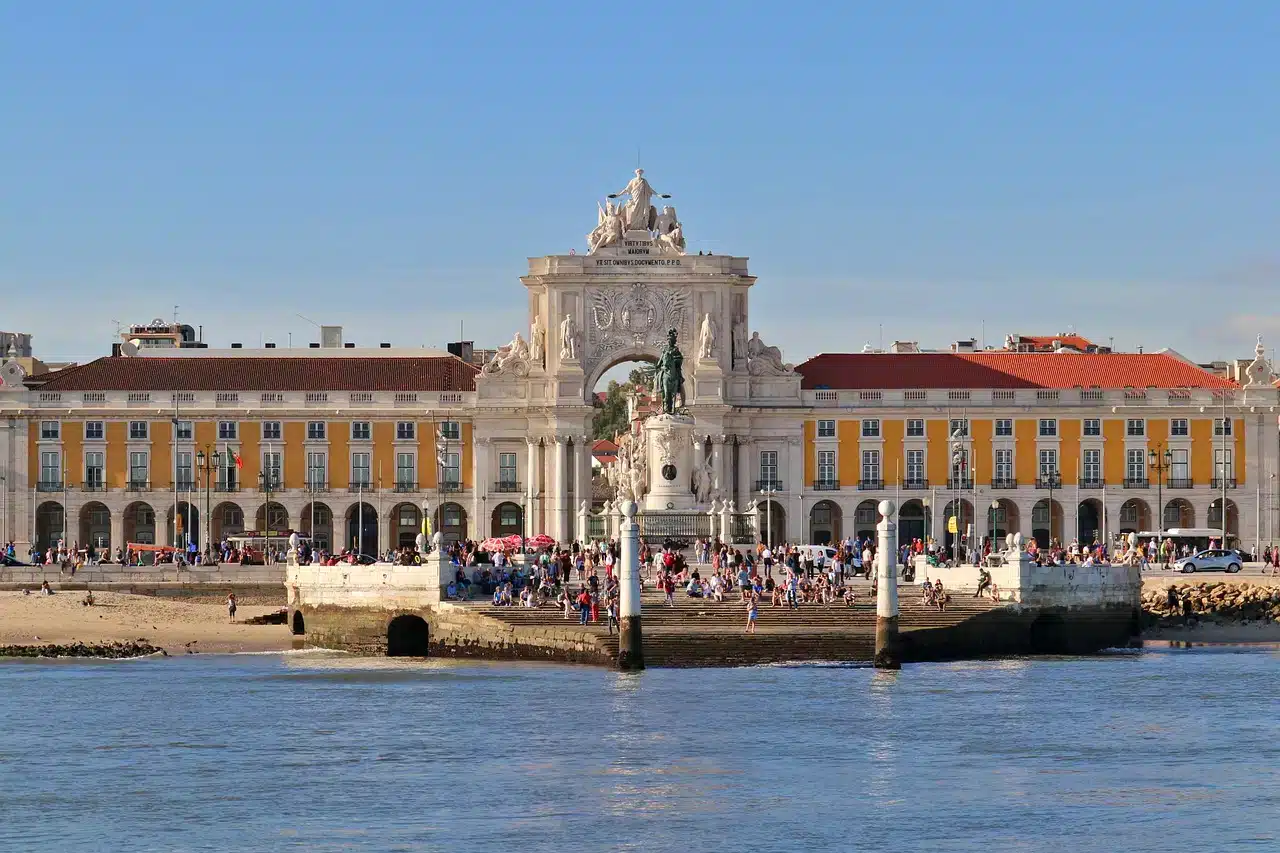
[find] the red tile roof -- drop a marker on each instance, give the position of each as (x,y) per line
(1004,370)
(232,373)
(1045,342)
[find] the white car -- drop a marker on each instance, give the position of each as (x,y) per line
(1212,560)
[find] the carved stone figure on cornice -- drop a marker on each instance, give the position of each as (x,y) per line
(707,338)
(1259,371)
(538,342)
(512,358)
(764,360)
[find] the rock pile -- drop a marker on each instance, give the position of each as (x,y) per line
(133,649)
(1216,602)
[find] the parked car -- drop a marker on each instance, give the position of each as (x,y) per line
(1212,560)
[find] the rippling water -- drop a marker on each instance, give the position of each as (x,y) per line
(1166,750)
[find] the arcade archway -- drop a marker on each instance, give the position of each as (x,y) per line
(451,521)
(362,529)
(824,523)
(95,525)
(507,520)
(50,526)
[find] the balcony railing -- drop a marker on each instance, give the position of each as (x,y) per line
(49,486)
(1219,483)
(184,486)
(763,485)
(405,486)
(1004,483)
(826,485)
(1180,483)
(1090,483)
(961,483)
(93,486)
(226,487)
(918,484)
(317,486)
(1137,483)
(867,485)
(450,486)
(1048,482)
(360,486)
(507,487)
(137,486)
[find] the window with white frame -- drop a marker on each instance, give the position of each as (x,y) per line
(1179,467)
(1048,427)
(50,430)
(915,428)
(451,430)
(1092,427)
(1048,464)
(1129,512)
(183,431)
(406,430)
(361,431)
(1135,427)
(1004,427)
(317,469)
(1092,466)
(93,431)
(271,473)
(1221,427)
(871,428)
(865,513)
(232,517)
(229,474)
(826,466)
(1179,427)
(138,430)
(183,472)
(1040,513)
(507,469)
(271,431)
(959,425)
(228,430)
(51,468)
(1223,469)
(915,466)
(769,466)
(315,430)
(452,473)
(1004,465)
(94,465)
(139,470)
(871,466)
(826,429)
(1135,465)
(360,472)
(406,470)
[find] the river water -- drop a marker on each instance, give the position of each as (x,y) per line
(1167,749)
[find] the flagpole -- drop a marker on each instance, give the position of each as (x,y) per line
(175,474)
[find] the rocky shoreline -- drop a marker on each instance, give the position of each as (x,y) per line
(135,649)
(1183,605)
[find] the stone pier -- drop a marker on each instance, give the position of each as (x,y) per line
(630,642)
(888,653)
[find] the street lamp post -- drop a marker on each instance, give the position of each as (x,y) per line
(1052,473)
(768,492)
(1161,462)
(995,507)
(208,464)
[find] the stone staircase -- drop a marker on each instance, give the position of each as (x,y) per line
(700,632)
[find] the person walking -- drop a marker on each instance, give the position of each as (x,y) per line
(231,607)
(752,612)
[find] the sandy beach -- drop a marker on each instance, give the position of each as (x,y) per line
(171,625)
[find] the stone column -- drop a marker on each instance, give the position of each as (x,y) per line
(793,482)
(480,490)
(117,531)
(745,471)
(560,499)
(615,520)
(720,486)
(630,644)
(582,483)
(531,487)
(888,649)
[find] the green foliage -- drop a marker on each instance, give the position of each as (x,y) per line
(610,417)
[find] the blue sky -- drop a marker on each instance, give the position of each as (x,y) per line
(917,168)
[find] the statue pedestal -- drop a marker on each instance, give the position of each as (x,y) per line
(569,382)
(708,383)
(668,442)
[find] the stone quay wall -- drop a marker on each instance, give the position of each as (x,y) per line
(1218,602)
(1020,582)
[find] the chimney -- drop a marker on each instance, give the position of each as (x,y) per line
(331,337)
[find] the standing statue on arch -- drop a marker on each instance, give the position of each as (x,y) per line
(669,375)
(638,213)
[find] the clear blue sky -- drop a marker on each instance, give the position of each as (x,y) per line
(389,166)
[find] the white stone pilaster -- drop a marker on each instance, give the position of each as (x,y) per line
(531,487)
(720,487)
(560,485)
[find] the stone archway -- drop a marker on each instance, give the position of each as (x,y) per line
(507,519)
(361,529)
(189,527)
(1135,516)
(773,522)
(865,518)
(95,525)
(963,521)
(1003,520)
(321,532)
(50,525)
(298,625)
(451,521)
(1179,513)
(271,517)
(406,522)
(825,520)
(1233,518)
(408,636)
(1089,527)
(911,521)
(140,523)
(226,520)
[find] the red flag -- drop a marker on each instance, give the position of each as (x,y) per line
(236,456)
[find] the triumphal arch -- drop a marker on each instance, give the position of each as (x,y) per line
(619,301)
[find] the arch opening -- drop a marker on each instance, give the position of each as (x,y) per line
(824,523)
(298,625)
(408,636)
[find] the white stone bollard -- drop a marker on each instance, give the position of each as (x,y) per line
(888,648)
(630,643)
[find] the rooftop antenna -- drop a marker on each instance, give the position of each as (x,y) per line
(984,333)
(882,337)
(175,315)
(309,320)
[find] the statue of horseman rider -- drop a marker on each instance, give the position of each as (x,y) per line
(670,374)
